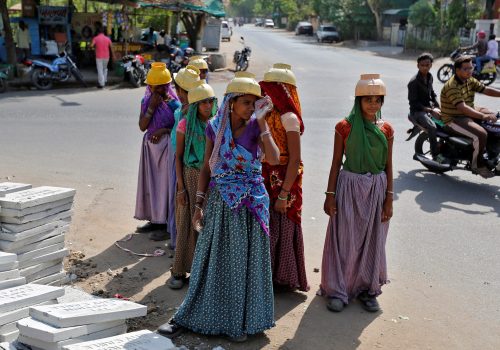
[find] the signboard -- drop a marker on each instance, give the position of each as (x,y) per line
(53,14)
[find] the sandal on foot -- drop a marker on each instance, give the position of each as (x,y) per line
(171,329)
(335,305)
(369,302)
(175,282)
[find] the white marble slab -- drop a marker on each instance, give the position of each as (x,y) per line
(140,340)
(35,232)
(9,187)
(35,196)
(7,257)
(9,337)
(87,312)
(60,282)
(20,248)
(39,252)
(12,283)
(35,216)
(32,328)
(17,228)
(8,328)
(51,279)
(55,269)
(60,254)
(39,344)
(9,266)
(7,346)
(36,209)
(16,315)
(9,275)
(27,295)
(37,268)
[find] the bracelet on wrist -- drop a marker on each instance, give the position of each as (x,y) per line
(198,207)
(181,192)
(389,192)
(282,198)
(330,192)
(264,133)
(287,191)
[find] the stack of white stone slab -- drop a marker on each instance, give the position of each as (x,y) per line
(33,224)
(51,327)
(9,272)
(140,340)
(15,303)
(9,187)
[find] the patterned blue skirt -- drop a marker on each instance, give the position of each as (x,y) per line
(230,288)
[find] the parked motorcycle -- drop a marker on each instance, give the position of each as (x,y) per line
(487,75)
(456,148)
(135,69)
(44,73)
(241,58)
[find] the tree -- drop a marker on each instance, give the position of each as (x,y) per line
(377,7)
(193,23)
(422,14)
(9,39)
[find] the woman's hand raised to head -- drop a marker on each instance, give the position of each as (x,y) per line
(263,106)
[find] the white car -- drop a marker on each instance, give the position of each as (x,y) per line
(327,33)
(269,23)
(225,31)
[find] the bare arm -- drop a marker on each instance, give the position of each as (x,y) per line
(330,205)
(489,91)
(145,118)
(271,151)
(389,195)
(205,169)
(469,111)
(293,143)
(179,161)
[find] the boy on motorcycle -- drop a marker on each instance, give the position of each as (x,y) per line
(460,114)
(423,102)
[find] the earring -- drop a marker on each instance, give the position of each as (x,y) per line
(231,108)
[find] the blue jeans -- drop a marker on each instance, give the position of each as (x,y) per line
(480,60)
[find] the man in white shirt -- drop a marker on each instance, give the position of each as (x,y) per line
(23,40)
(492,47)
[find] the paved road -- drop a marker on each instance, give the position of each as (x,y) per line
(443,243)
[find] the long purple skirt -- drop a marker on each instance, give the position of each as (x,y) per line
(152,187)
(354,252)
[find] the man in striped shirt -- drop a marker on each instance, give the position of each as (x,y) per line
(460,114)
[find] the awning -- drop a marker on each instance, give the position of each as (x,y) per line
(397,12)
(212,7)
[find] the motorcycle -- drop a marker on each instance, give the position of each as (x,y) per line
(241,58)
(136,69)
(456,148)
(487,75)
(44,73)
(179,58)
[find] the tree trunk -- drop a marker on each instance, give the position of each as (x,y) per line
(9,39)
(375,9)
(192,22)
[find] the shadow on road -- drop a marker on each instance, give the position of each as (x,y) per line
(342,329)
(437,192)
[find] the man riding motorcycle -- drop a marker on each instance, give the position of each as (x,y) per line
(424,104)
(481,46)
(462,116)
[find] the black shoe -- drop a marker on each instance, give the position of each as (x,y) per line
(369,302)
(100,87)
(159,235)
(148,227)
(170,329)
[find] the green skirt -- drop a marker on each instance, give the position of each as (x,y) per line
(230,288)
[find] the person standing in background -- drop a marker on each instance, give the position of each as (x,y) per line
(103,52)
(23,40)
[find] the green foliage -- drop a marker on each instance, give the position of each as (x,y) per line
(422,14)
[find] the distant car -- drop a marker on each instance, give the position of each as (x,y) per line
(269,23)
(225,31)
(304,28)
(327,33)
(259,22)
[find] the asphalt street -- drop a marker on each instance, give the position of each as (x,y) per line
(444,238)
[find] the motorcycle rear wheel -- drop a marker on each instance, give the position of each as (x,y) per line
(41,80)
(134,78)
(423,147)
(488,79)
(445,72)
(78,76)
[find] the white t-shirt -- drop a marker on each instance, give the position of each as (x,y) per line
(492,49)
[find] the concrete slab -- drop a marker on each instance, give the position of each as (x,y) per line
(50,279)
(7,346)
(27,295)
(12,283)
(35,196)
(35,216)
(60,254)
(59,345)
(20,248)
(73,294)
(17,228)
(39,267)
(9,266)
(16,315)
(9,275)
(55,269)
(8,328)
(35,209)
(140,340)
(9,337)
(60,282)
(39,252)
(40,230)
(32,328)
(87,312)
(7,257)
(10,187)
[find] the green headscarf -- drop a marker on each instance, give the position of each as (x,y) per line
(366,146)
(194,144)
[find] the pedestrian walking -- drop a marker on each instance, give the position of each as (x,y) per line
(23,40)
(103,51)
(230,289)
(184,80)
(284,180)
(157,119)
(359,202)
(190,156)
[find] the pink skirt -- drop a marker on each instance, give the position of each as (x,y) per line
(354,252)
